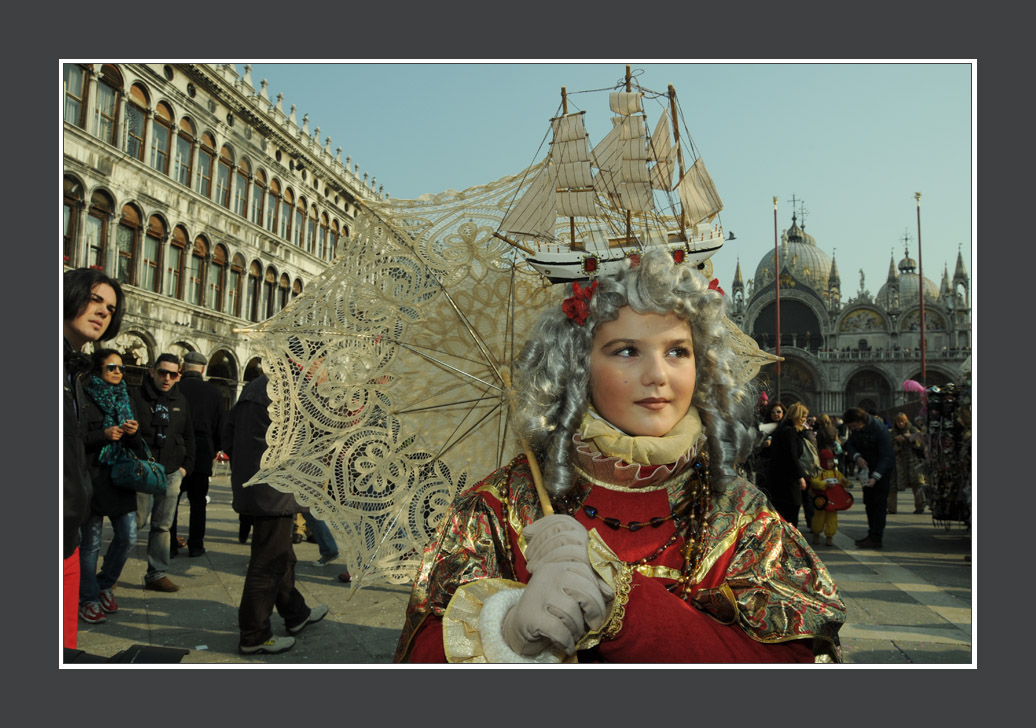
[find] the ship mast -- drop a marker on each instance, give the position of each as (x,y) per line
(629,214)
(679,155)
(572,245)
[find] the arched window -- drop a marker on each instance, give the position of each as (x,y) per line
(296,288)
(287,202)
(72,205)
(177,263)
(255,272)
(184,152)
(217,278)
(334,238)
(223,176)
(97,229)
(311,231)
(126,236)
(151,263)
(271,205)
(235,286)
(106,104)
(75,94)
(258,195)
(206,156)
(161,137)
(283,289)
(196,278)
(136,121)
(269,292)
(325,251)
(241,189)
(300,222)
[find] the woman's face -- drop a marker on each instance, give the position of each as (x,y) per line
(642,372)
(776,414)
(800,421)
(112,369)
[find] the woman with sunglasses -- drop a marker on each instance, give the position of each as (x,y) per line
(108,424)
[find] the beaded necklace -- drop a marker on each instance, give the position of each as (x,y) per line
(689,515)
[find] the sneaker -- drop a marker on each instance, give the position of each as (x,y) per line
(830,541)
(272,646)
(326,559)
(315,615)
(868,544)
(165,584)
(195,553)
(816,539)
(91,612)
(108,603)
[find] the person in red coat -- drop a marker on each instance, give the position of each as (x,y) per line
(641,544)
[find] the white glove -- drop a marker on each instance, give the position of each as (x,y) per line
(564,594)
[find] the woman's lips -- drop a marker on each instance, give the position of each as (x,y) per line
(652,403)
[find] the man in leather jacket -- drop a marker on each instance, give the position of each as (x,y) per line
(165,425)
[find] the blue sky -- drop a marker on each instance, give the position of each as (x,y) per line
(852,141)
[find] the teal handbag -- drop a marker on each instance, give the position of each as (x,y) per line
(133,473)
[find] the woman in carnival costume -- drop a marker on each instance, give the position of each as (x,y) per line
(641,544)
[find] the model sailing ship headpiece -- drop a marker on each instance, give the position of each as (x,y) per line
(587,209)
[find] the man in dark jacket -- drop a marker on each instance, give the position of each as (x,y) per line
(165,425)
(207,415)
(870,447)
(92,311)
(270,580)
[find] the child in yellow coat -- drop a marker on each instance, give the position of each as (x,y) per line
(823,519)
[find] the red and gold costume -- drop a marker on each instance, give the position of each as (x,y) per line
(757,592)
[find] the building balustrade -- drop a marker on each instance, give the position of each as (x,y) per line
(876,354)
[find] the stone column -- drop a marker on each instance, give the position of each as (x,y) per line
(90,100)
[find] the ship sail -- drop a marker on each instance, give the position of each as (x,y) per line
(534,215)
(698,194)
(664,153)
(571,154)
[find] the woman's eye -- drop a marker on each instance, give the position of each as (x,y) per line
(680,352)
(626,351)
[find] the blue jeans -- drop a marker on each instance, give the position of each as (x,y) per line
(160,509)
(90,582)
(322,534)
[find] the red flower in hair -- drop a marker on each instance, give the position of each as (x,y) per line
(714,285)
(577,306)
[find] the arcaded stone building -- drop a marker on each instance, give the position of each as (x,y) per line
(839,353)
(210,203)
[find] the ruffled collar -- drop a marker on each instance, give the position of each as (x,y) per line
(612,459)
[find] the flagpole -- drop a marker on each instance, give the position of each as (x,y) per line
(777,287)
(920,286)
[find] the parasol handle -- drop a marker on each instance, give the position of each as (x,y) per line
(534,468)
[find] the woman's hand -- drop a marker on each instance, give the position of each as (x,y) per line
(802,483)
(113,433)
(129,427)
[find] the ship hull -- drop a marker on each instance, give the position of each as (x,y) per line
(573,266)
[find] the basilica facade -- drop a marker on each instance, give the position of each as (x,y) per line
(205,199)
(855,352)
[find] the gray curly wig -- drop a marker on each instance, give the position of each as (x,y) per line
(552,373)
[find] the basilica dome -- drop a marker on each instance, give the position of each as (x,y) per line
(908,280)
(800,256)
